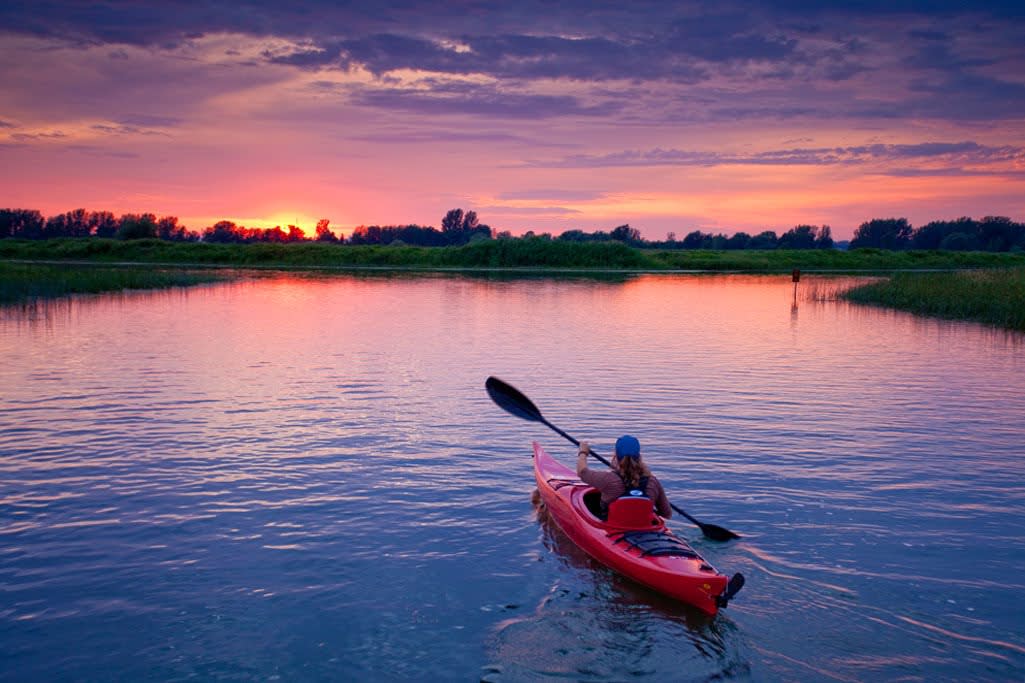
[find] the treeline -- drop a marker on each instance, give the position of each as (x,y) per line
(30,224)
(458,227)
(992,233)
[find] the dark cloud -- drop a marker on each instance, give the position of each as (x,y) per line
(150,121)
(1005,9)
(551,195)
(714,30)
(92,150)
(728,36)
(125,130)
(6,124)
(412,137)
(657,44)
(528,210)
(31,137)
(502,56)
(950,172)
(964,97)
(483,101)
(957,153)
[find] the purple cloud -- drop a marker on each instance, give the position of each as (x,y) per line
(965,153)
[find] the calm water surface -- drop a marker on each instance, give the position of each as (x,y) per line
(302,478)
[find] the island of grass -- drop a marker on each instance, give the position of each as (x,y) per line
(993,297)
(25,282)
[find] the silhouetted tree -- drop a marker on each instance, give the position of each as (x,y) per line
(56,226)
(931,235)
(137,226)
(21,223)
(999,233)
(76,223)
(168,229)
(883,233)
(739,240)
(799,237)
(324,233)
(806,237)
(452,226)
(960,241)
(222,231)
(574,236)
(695,240)
(624,233)
(825,238)
(103,224)
(763,240)
(460,228)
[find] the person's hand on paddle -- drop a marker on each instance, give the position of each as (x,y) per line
(585,450)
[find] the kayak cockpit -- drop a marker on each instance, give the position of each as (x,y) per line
(624,513)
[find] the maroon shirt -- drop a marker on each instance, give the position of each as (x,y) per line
(611,487)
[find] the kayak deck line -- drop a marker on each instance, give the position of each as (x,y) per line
(655,543)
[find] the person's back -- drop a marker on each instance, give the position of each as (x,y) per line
(630,476)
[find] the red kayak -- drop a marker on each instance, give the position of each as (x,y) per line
(634,541)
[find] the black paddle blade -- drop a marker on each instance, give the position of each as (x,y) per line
(717,533)
(732,588)
(511,400)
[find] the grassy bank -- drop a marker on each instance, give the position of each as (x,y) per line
(21,282)
(995,297)
(519,253)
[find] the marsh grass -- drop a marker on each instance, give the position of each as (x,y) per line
(21,282)
(831,288)
(994,297)
(516,254)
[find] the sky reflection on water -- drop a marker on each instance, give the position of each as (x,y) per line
(302,476)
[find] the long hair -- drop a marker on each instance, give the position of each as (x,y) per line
(631,470)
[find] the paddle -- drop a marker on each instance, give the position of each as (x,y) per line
(511,400)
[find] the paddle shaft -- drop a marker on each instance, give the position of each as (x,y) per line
(512,400)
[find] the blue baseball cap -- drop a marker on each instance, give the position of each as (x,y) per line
(628,447)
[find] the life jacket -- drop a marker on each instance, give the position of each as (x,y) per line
(634,509)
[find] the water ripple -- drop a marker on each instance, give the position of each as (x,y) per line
(298,476)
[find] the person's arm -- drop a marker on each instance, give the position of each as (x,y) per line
(582,454)
(662,506)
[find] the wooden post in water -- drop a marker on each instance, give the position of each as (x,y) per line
(796,277)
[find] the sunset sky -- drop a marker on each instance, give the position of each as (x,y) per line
(540,116)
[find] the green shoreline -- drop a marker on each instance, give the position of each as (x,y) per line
(520,254)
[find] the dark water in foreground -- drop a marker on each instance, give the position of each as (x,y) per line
(302,479)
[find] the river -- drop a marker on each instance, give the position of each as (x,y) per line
(301,477)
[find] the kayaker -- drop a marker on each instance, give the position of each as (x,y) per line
(630,473)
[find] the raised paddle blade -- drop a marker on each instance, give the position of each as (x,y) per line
(511,400)
(514,402)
